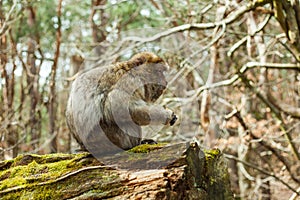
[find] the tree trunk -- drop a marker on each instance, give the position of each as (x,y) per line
(52,96)
(178,171)
(34,125)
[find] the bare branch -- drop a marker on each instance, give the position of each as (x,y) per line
(287,66)
(236,113)
(201,26)
(262,171)
(249,65)
(274,109)
(8,19)
(287,109)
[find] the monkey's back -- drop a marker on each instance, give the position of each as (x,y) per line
(83,111)
(102,100)
(89,114)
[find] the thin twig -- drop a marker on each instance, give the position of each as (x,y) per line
(236,77)
(138,41)
(277,113)
(201,26)
(8,20)
(262,171)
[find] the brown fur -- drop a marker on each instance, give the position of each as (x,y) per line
(107,105)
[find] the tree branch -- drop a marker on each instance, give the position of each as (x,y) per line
(274,109)
(8,19)
(262,171)
(244,68)
(236,113)
(201,26)
(287,66)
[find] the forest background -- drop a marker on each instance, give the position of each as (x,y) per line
(233,80)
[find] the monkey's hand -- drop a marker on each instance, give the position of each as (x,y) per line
(172,117)
(173,120)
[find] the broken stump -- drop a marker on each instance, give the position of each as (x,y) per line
(175,171)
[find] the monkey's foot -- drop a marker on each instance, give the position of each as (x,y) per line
(148,141)
(80,150)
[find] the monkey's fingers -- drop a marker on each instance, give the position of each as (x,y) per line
(173,120)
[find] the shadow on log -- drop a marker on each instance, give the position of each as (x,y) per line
(178,171)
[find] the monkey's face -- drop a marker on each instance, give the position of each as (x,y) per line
(154,81)
(153,92)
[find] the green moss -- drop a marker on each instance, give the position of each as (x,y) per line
(37,169)
(212,154)
(217,176)
(146,148)
(43,192)
(39,178)
(5,164)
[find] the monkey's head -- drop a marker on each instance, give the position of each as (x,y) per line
(150,69)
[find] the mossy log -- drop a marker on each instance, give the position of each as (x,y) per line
(178,171)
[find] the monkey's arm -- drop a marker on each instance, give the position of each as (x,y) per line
(143,114)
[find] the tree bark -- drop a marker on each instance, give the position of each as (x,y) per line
(34,124)
(52,96)
(178,171)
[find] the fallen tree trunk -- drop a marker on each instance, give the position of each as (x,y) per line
(180,171)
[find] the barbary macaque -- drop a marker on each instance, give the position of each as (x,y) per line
(108,105)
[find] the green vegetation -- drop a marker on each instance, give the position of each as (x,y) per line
(145,148)
(46,177)
(39,169)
